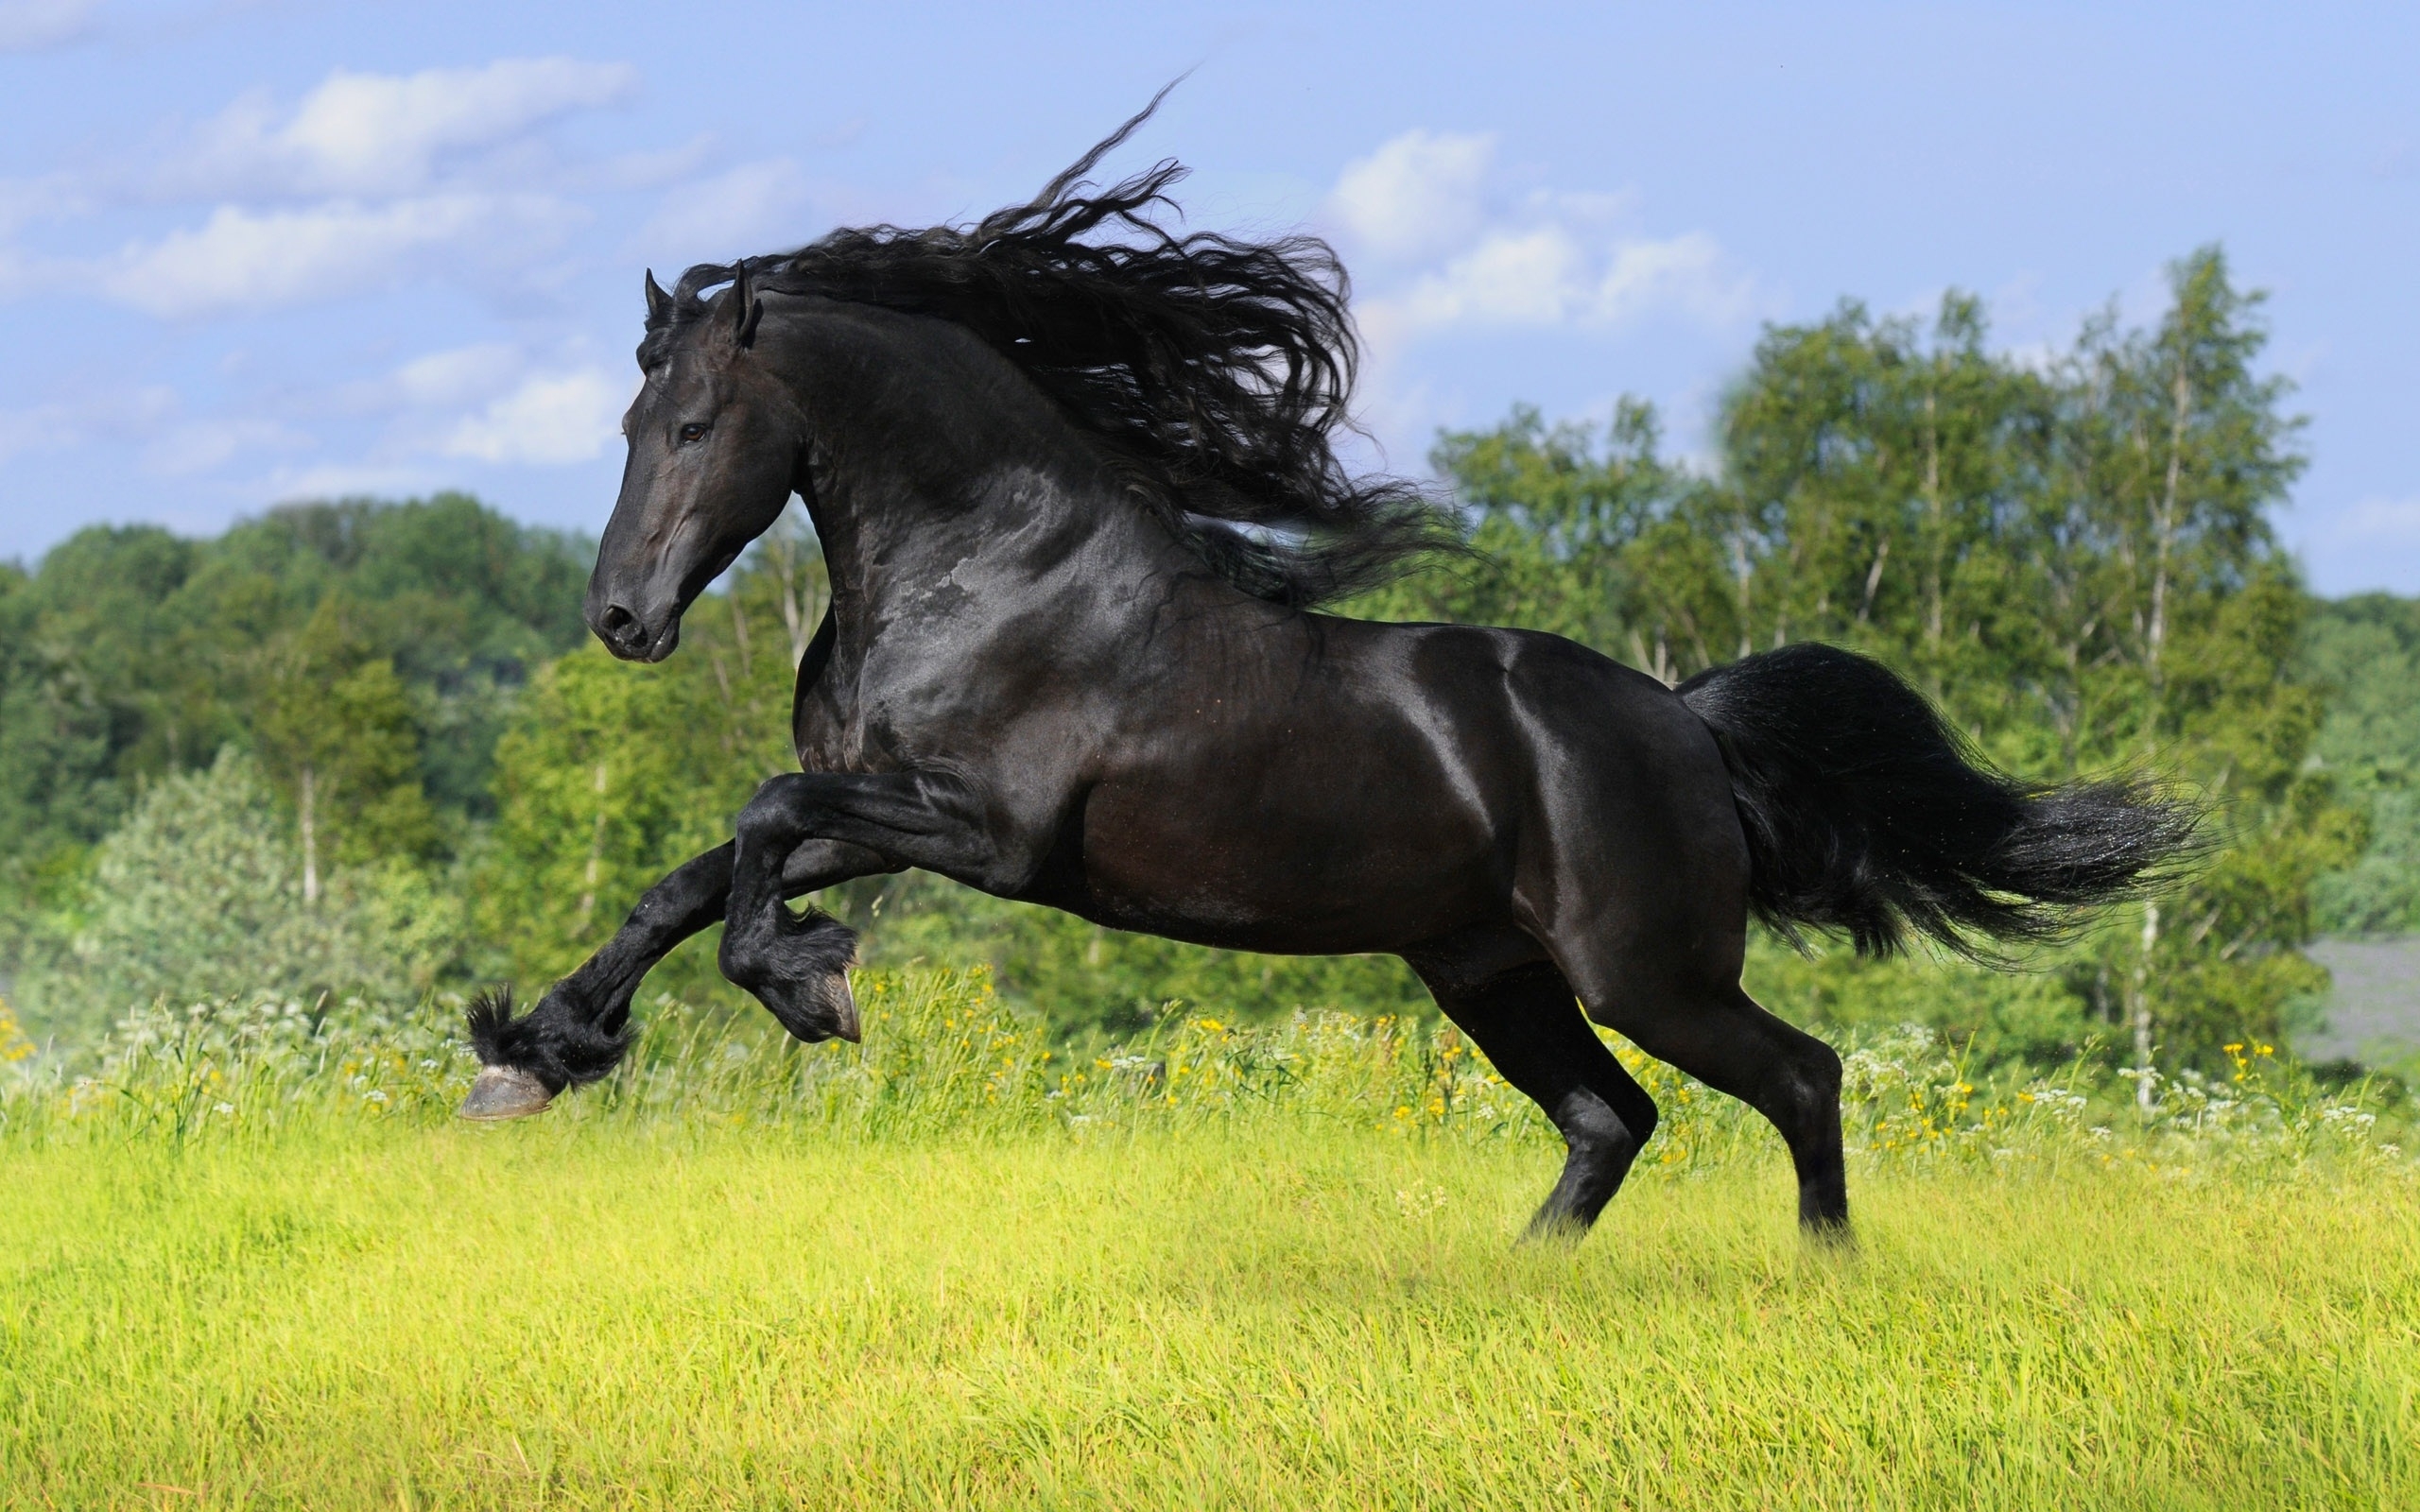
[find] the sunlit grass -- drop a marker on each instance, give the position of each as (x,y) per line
(368,1314)
(254,1264)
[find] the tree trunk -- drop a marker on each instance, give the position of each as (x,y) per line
(1939,525)
(800,606)
(2163,544)
(1743,569)
(1874,581)
(310,806)
(2142,1008)
(2155,642)
(596,853)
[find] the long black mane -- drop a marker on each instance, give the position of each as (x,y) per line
(1215,371)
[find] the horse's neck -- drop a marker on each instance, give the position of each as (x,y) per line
(975,493)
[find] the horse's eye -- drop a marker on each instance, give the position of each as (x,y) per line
(694,432)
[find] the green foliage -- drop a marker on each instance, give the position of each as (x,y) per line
(2365,652)
(385,638)
(338,730)
(131,652)
(2001,1020)
(1550,511)
(198,895)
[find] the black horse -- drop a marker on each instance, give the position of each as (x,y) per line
(1073,475)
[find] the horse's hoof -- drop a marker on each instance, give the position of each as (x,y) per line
(501,1093)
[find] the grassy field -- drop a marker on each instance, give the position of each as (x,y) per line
(342,1300)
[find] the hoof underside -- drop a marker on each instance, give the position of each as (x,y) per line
(501,1093)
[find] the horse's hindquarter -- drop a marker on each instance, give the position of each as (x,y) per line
(1326,785)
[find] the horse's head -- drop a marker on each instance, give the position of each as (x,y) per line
(713,440)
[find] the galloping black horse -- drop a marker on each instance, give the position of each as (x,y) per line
(1073,475)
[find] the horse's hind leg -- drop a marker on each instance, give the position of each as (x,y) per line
(1721,1037)
(1527,1022)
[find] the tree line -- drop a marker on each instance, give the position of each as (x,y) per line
(2072,554)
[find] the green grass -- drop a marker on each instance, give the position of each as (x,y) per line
(1281,1275)
(598,1314)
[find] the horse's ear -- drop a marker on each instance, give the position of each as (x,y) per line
(747,309)
(659,304)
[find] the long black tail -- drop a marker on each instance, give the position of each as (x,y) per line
(1864,813)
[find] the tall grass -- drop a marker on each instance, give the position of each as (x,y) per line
(252,1262)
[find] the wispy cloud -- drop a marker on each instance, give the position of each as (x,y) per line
(380,135)
(2373,543)
(206,446)
(135,414)
(2371,523)
(329,480)
(249,260)
(367,181)
(495,402)
(756,207)
(29,26)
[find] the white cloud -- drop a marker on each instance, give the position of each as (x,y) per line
(50,196)
(1546,276)
(205,445)
(2371,544)
(1511,278)
(38,428)
(329,480)
(26,26)
(756,207)
(1686,274)
(253,260)
(492,403)
(465,375)
(1545,259)
(1417,195)
(2374,521)
(131,414)
(550,419)
(379,134)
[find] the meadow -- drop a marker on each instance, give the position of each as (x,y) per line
(252,1263)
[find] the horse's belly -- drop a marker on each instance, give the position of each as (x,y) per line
(1305,879)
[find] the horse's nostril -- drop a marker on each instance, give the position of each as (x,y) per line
(616,621)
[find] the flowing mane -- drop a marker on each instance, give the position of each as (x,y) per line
(1213,370)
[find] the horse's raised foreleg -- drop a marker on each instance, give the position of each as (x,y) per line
(578,1031)
(1528,1024)
(797,966)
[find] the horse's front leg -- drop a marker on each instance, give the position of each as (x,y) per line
(798,965)
(580,1030)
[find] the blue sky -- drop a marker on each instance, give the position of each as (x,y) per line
(257,252)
